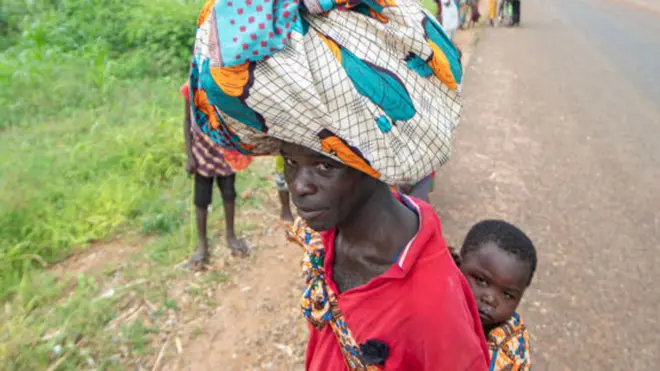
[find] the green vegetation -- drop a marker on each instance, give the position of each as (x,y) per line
(90,147)
(90,127)
(431,5)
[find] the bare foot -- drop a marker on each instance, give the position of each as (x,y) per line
(237,246)
(199,258)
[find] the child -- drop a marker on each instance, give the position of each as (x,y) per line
(498,260)
(208,161)
(283,190)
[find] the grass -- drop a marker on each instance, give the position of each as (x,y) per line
(91,147)
(81,314)
(431,5)
(78,178)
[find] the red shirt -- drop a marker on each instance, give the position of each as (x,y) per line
(422,308)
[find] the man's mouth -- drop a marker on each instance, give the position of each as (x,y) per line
(310,214)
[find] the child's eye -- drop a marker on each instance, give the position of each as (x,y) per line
(481,282)
(508,296)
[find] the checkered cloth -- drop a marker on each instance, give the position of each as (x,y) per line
(371,83)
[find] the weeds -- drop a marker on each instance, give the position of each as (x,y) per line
(90,132)
(91,146)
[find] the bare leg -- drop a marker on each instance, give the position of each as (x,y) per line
(227,186)
(203,193)
(285,213)
(236,245)
(201,255)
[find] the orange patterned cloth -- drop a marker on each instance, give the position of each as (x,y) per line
(213,160)
(509,346)
(319,301)
(371,83)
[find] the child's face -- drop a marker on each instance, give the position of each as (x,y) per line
(498,281)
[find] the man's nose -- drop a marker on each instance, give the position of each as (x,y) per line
(303,182)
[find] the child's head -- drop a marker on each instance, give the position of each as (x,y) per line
(498,261)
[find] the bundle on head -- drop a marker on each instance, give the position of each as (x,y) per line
(371,83)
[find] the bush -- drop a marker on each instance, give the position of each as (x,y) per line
(67,54)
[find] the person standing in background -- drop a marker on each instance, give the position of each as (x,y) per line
(449,17)
(492,11)
(475,16)
(419,190)
(208,162)
(462,12)
(515,5)
(282,190)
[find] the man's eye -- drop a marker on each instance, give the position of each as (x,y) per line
(324,166)
(289,162)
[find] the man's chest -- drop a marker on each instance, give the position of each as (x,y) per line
(351,272)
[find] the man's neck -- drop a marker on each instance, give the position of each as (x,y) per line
(382,226)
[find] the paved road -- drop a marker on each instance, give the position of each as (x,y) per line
(561,135)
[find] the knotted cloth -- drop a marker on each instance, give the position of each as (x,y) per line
(371,83)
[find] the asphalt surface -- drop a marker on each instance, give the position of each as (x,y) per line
(561,135)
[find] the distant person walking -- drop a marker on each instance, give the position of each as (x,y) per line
(462,13)
(515,5)
(492,11)
(474,12)
(448,17)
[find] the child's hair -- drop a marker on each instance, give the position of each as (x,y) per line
(506,236)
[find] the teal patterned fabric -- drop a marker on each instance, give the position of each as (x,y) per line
(372,83)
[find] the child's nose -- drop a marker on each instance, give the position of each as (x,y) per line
(489,298)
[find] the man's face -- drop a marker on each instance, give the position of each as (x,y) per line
(324,190)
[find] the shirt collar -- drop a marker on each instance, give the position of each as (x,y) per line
(429,228)
(428,223)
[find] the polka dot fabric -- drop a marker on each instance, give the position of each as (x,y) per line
(371,83)
(253,30)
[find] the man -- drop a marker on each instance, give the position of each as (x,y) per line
(387,262)
(352,110)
